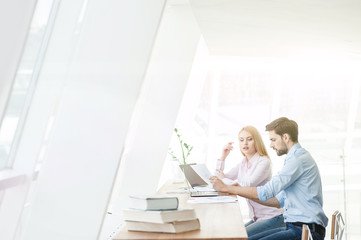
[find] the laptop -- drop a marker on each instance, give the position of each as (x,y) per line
(197,176)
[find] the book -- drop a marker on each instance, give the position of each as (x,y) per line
(159,216)
(156,202)
(171,227)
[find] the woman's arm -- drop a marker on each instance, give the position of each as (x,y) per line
(233,173)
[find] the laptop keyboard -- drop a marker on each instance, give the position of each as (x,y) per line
(204,194)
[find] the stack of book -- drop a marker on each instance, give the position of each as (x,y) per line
(159,214)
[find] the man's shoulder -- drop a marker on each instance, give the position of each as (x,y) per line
(300,151)
(303,155)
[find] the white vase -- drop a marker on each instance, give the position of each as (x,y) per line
(177,173)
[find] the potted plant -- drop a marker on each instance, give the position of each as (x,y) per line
(185,150)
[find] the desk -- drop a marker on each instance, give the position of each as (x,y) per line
(218,221)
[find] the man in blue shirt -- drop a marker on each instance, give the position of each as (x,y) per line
(297,187)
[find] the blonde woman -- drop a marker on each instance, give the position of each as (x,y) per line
(254,170)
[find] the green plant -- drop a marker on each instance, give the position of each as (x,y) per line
(186,149)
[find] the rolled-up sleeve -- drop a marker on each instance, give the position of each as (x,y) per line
(262,194)
(281,198)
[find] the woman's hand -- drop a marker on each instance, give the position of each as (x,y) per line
(218,184)
(226,150)
(235,183)
(220,174)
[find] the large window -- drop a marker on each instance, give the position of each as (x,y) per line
(325,102)
(24,82)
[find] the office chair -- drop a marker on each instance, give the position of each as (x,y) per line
(306,233)
(338,226)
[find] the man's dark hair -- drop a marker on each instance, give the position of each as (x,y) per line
(284,125)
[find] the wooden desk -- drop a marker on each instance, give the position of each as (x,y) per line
(218,221)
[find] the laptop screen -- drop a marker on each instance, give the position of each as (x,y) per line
(193,178)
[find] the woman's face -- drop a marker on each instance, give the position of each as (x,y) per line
(246,143)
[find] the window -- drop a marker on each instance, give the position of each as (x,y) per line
(25,79)
(324,101)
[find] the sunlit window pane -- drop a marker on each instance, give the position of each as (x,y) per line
(320,100)
(319,107)
(23,79)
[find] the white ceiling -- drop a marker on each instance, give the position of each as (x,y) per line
(280,28)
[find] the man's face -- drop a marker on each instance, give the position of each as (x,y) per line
(277,143)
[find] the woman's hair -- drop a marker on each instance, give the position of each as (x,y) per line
(259,145)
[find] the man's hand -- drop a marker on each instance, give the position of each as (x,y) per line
(218,184)
(235,189)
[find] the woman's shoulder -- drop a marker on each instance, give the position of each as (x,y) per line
(264,159)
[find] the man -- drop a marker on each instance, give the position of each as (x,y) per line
(297,187)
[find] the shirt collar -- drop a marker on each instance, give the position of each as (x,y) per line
(250,161)
(293,149)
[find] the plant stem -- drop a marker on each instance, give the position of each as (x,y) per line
(180,141)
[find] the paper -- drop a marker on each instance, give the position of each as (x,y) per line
(203,189)
(203,172)
(195,189)
(219,199)
(178,191)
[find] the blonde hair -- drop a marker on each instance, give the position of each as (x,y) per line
(259,145)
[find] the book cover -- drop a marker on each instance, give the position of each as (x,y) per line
(172,227)
(156,202)
(159,216)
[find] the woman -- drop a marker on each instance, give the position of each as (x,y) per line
(254,170)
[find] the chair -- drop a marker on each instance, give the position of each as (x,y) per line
(306,233)
(338,226)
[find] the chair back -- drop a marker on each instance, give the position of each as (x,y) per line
(306,233)
(337,226)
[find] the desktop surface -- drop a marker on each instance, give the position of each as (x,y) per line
(218,221)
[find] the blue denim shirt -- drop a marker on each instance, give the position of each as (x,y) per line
(298,188)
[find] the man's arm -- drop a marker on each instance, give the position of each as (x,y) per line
(246,192)
(273,202)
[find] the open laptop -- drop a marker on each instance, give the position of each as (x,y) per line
(197,176)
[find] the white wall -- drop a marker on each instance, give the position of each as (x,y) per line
(159,102)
